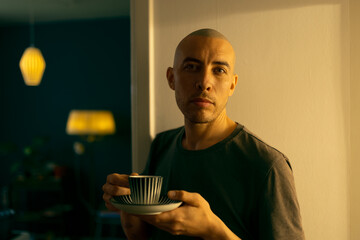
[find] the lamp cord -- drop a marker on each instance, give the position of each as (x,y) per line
(32,22)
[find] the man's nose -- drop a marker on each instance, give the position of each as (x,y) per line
(204,81)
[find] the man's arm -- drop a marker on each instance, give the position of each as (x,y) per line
(193,218)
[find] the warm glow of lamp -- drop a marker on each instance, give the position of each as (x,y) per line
(32,66)
(90,122)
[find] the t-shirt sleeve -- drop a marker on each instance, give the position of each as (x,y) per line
(279,211)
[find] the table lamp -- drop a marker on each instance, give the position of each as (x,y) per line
(90,123)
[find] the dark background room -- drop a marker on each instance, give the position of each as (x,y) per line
(48,189)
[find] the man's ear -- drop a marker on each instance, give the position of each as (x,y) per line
(233,84)
(170,77)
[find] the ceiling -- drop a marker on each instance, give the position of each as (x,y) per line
(20,11)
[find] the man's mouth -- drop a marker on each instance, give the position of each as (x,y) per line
(202,102)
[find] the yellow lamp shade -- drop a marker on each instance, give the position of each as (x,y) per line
(90,122)
(32,66)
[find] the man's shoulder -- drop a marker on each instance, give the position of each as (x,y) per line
(257,149)
(259,142)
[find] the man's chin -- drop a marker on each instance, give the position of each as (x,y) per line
(200,120)
(200,117)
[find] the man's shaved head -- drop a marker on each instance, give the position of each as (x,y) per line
(201,33)
(207,32)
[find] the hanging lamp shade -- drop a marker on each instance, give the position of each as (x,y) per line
(32,66)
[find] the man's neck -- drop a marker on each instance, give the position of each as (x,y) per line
(203,135)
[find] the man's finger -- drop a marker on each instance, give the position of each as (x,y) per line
(115,190)
(118,179)
(111,207)
(193,199)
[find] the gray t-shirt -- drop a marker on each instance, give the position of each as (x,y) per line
(248,184)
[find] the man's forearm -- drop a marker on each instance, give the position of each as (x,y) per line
(221,232)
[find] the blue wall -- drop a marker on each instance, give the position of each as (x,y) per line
(88,67)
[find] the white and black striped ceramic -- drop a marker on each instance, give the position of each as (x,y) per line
(125,203)
(126,199)
(145,189)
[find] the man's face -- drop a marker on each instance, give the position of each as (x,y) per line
(203,77)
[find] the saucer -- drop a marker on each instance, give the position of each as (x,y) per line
(124,203)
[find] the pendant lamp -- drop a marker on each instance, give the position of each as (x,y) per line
(32,63)
(32,66)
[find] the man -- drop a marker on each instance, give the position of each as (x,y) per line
(233,185)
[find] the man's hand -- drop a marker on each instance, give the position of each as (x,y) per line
(116,185)
(193,218)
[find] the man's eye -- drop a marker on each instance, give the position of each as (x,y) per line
(190,67)
(219,70)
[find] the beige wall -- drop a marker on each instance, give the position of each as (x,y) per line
(294,90)
(355,118)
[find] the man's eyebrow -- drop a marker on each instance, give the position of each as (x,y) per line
(191,59)
(222,63)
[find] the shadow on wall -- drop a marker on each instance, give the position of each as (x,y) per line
(238,8)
